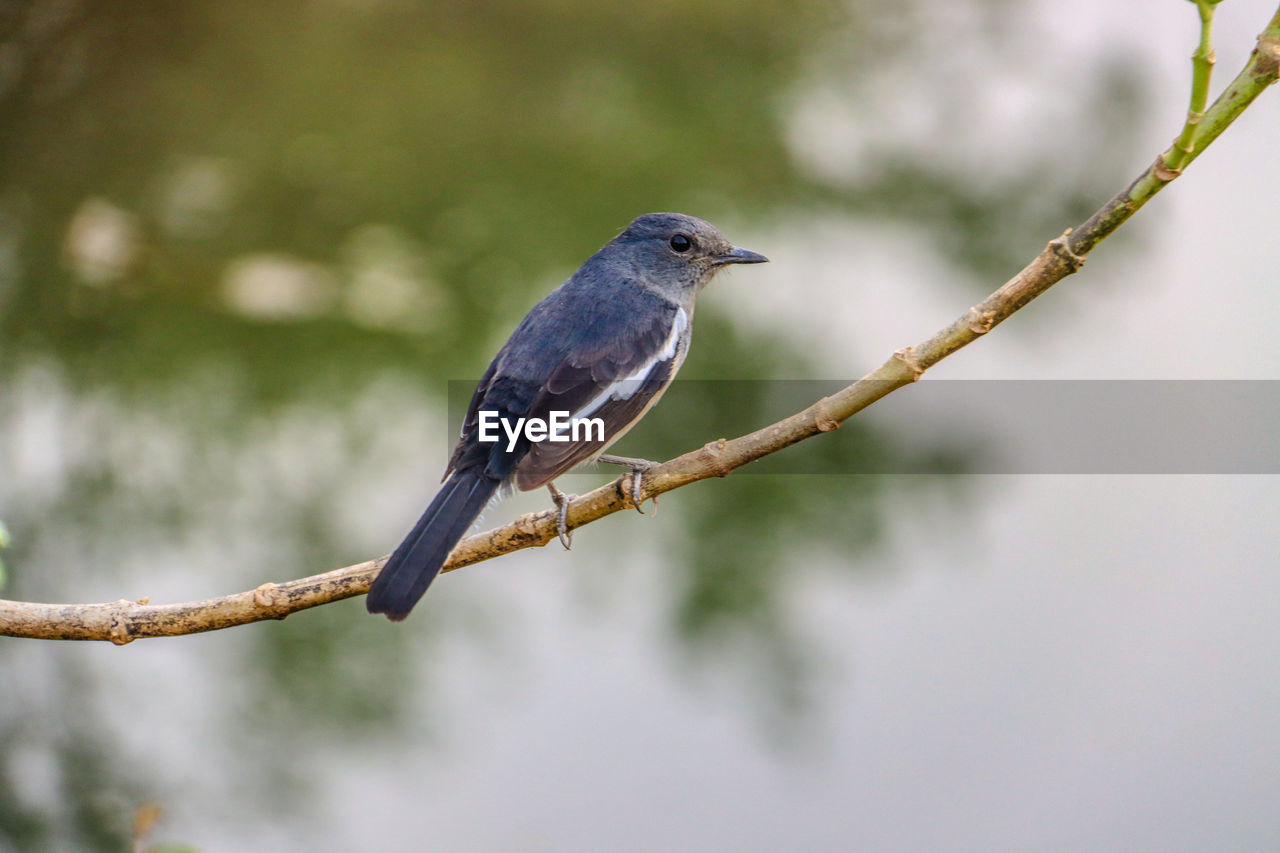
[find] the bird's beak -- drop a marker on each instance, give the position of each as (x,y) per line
(740,256)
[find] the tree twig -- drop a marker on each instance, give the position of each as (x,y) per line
(124,621)
(1201,72)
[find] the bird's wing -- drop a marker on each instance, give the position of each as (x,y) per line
(615,378)
(471,424)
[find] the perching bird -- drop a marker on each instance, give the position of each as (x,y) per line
(605,344)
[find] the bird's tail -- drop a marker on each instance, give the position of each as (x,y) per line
(417,561)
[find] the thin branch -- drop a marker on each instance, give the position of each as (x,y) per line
(124,621)
(1201,71)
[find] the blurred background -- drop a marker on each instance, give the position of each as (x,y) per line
(246,247)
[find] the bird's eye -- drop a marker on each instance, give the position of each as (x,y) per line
(681,243)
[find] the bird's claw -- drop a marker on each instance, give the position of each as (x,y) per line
(561,500)
(638,467)
(637,480)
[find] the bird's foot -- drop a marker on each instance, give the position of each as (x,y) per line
(561,500)
(638,467)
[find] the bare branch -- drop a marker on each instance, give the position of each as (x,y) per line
(124,621)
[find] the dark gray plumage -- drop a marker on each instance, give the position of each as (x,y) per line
(604,344)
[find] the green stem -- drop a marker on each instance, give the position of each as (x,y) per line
(1201,72)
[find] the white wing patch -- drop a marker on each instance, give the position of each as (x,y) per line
(622,389)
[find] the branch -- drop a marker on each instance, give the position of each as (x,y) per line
(124,621)
(1201,71)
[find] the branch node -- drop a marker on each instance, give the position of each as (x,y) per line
(1268,54)
(822,417)
(268,597)
(713,453)
(981,322)
(1162,171)
(907,355)
(1062,248)
(120,632)
(527,524)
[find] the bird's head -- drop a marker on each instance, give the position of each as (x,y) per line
(678,254)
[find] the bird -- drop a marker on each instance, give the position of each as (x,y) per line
(605,344)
